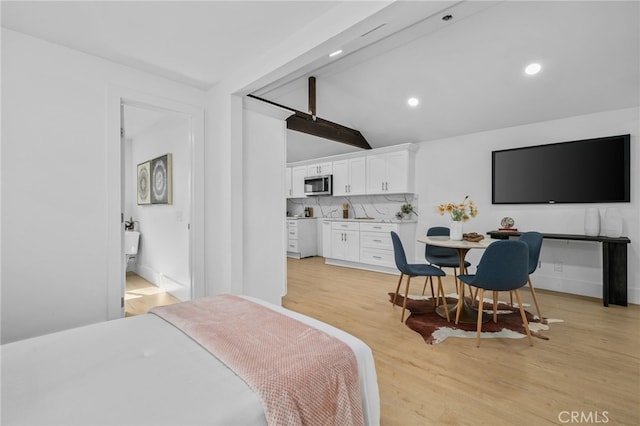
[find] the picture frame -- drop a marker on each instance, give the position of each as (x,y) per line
(143,183)
(161,173)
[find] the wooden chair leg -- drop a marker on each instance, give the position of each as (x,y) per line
(430,284)
(397,290)
(428,280)
(495,306)
(472,292)
(455,279)
(460,299)
(437,297)
(444,299)
(535,299)
(524,317)
(479,327)
(406,295)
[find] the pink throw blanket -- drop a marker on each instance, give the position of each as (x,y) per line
(303,375)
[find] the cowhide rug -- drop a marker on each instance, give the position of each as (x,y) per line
(424,320)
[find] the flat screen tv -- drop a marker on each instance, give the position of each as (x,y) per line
(584,171)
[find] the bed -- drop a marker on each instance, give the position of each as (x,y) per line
(153,369)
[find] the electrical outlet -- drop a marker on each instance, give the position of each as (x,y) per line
(557,266)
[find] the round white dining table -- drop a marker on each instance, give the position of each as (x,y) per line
(464,312)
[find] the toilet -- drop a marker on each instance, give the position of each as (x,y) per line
(131,242)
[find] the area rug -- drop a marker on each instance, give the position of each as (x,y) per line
(424,320)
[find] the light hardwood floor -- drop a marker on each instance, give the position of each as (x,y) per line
(590,365)
(141,295)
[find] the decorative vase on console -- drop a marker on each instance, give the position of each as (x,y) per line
(459,212)
(455,230)
(592,222)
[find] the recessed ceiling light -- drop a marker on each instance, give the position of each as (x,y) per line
(336,53)
(533,68)
(413,102)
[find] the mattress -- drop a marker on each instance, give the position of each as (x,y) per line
(141,370)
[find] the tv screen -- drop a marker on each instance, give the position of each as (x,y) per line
(584,171)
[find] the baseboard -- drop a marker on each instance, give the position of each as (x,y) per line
(180,291)
(363,266)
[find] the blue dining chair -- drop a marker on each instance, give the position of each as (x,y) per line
(534,242)
(504,266)
(415,270)
(444,257)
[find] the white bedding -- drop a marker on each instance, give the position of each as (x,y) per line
(140,370)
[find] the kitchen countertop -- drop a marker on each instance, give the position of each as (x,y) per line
(353,219)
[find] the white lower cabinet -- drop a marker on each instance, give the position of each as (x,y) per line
(376,247)
(345,241)
(326,238)
(301,238)
(368,245)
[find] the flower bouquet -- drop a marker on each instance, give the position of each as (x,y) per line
(460,211)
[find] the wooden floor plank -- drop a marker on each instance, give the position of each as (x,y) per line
(590,364)
(141,295)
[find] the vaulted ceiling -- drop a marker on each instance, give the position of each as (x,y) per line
(467,71)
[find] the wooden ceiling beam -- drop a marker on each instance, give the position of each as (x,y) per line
(327,130)
(312,96)
(310,124)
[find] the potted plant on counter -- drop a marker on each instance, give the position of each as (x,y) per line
(406,210)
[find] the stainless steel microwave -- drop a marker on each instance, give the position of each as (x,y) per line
(318,185)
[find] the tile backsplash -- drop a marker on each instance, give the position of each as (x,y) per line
(380,207)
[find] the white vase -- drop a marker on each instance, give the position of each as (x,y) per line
(455,231)
(612,222)
(592,222)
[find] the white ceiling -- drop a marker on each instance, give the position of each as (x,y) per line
(467,72)
(194,42)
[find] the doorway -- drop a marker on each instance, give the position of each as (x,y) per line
(119,98)
(157,267)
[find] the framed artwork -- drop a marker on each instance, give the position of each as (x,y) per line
(144,183)
(161,180)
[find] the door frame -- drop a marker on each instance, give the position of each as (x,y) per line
(116,97)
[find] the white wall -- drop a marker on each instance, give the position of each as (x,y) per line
(449,169)
(264,205)
(225,188)
(163,254)
(55,188)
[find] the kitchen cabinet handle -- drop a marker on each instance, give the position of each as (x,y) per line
(377,241)
(382,186)
(377,227)
(386,186)
(377,257)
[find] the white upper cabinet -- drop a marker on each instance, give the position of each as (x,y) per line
(319,169)
(390,173)
(388,170)
(297,181)
(349,176)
